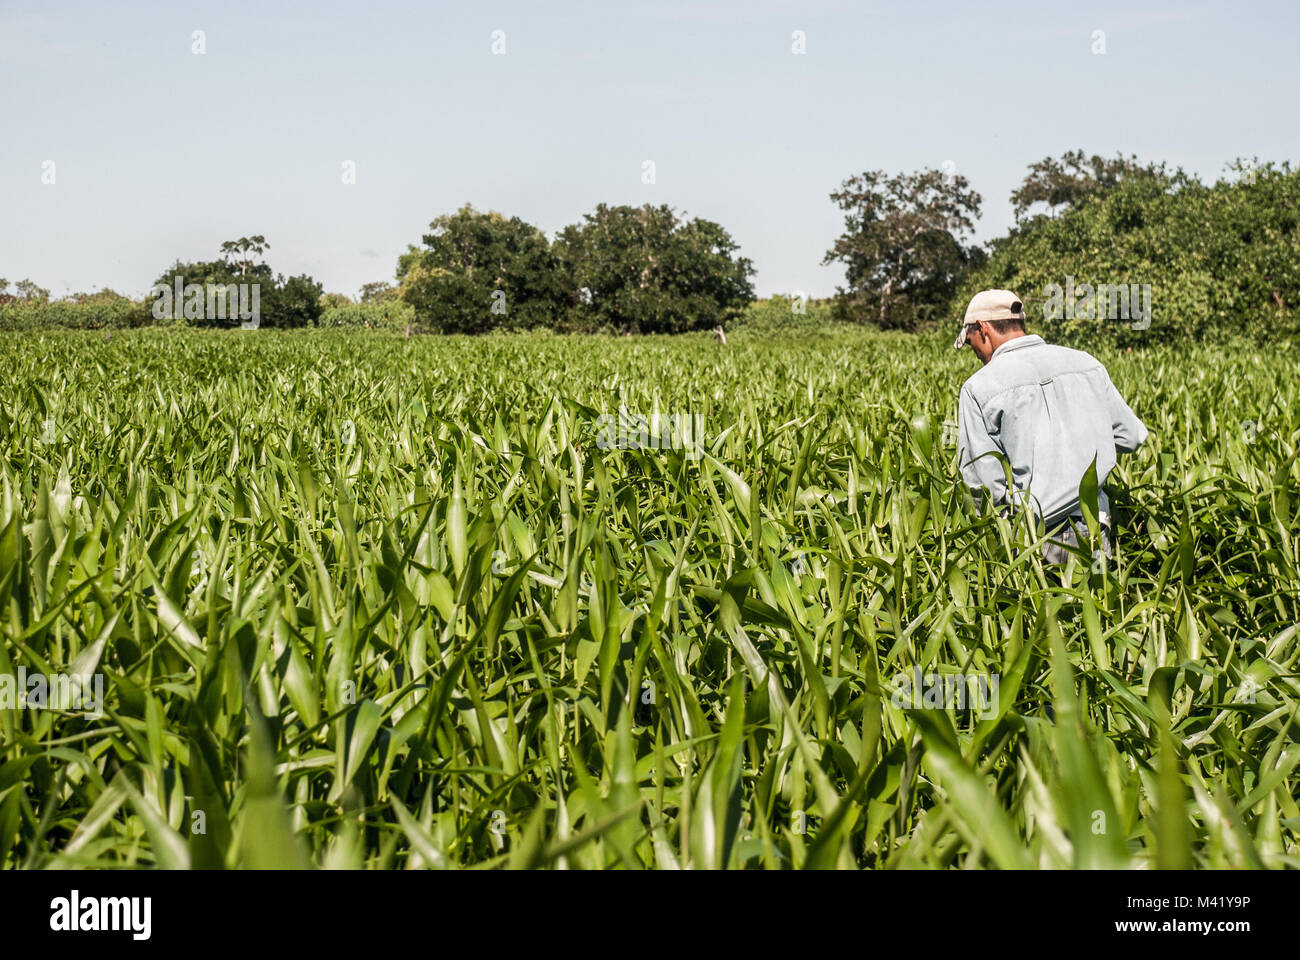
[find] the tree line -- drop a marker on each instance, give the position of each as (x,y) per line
(906,249)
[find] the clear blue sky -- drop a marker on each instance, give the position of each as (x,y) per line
(160,153)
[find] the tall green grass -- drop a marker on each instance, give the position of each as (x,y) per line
(371,602)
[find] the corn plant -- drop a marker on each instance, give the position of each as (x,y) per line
(371,602)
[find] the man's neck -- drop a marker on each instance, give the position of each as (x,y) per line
(1014,335)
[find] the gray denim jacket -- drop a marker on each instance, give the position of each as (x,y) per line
(1049,410)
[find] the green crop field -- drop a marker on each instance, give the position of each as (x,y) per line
(362,601)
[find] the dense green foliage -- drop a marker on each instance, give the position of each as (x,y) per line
(622,270)
(362,600)
(479,272)
(783,316)
(1219,260)
(388,314)
(104,310)
(112,311)
(645,270)
(284,302)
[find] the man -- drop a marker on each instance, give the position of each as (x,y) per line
(1048,410)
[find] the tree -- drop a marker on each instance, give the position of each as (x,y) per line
(645,270)
(1146,263)
(27,290)
(104,295)
(241,252)
(292,302)
(281,302)
(406,261)
(1068,182)
(376,292)
(902,245)
(480,271)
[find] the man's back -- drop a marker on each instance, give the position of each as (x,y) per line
(1049,410)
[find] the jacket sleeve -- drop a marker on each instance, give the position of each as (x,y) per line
(978,453)
(1129,432)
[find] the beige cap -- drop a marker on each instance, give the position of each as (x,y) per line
(990,305)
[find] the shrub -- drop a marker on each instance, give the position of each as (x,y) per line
(103,310)
(378,315)
(780,313)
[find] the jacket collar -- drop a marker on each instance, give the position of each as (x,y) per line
(1018,343)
